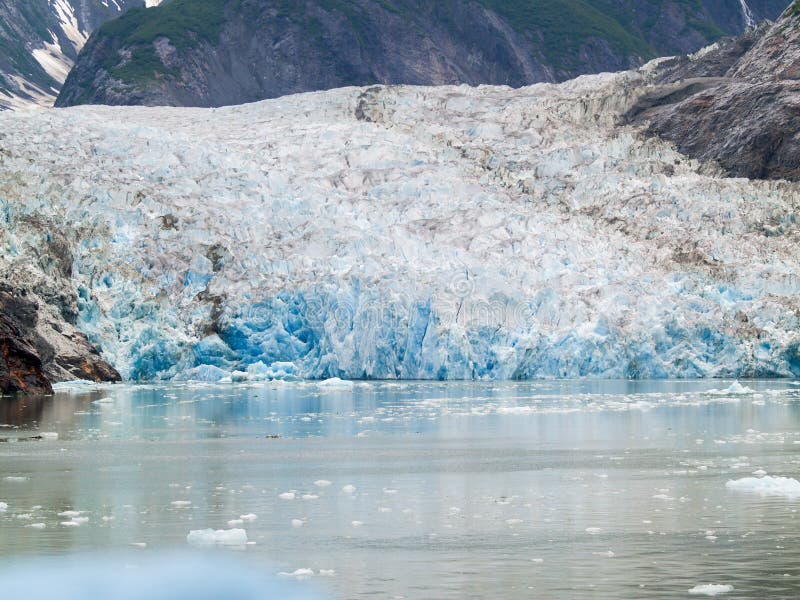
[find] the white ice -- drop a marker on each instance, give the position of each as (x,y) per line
(334,383)
(220,537)
(734,389)
(710,589)
(303,573)
(767,485)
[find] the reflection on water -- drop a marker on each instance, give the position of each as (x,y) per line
(437,490)
(22,411)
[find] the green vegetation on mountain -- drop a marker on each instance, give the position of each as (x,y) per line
(566,24)
(287,46)
(184,22)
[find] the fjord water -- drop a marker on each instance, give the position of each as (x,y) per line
(602,489)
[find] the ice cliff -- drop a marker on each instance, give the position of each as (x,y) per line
(404,232)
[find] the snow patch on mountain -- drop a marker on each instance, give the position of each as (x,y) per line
(53,61)
(69,23)
(405,232)
(52,36)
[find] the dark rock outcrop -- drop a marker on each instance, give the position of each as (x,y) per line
(21,368)
(737,105)
(220,52)
(35,349)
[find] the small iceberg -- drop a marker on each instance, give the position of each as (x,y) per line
(734,389)
(258,371)
(303,573)
(710,589)
(334,383)
(516,410)
(277,371)
(767,485)
(204,373)
(160,576)
(77,386)
(220,537)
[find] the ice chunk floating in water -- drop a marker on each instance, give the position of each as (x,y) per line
(334,383)
(138,577)
(767,486)
(710,589)
(733,389)
(222,537)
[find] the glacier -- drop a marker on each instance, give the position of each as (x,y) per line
(403,233)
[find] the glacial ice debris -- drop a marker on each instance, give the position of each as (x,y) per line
(302,573)
(710,589)
(158,575)
(766,485)
(220,537)
(734,389)
(334,383)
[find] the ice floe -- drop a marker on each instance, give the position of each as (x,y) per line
(767,485)
(334,383)
(710,589)
(219,537)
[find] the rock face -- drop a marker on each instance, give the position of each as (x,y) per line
(39,42)
(737,105)
(401,232)
(222,52)
(21,368)
(39,341)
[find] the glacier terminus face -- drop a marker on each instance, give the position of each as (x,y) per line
(402,232)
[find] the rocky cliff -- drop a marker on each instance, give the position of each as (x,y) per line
(39,347)
(736,104)
(40,342)
(221,52)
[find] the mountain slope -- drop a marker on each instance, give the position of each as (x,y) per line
(218,52)
(406,232)
(737,105)
(39,41)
